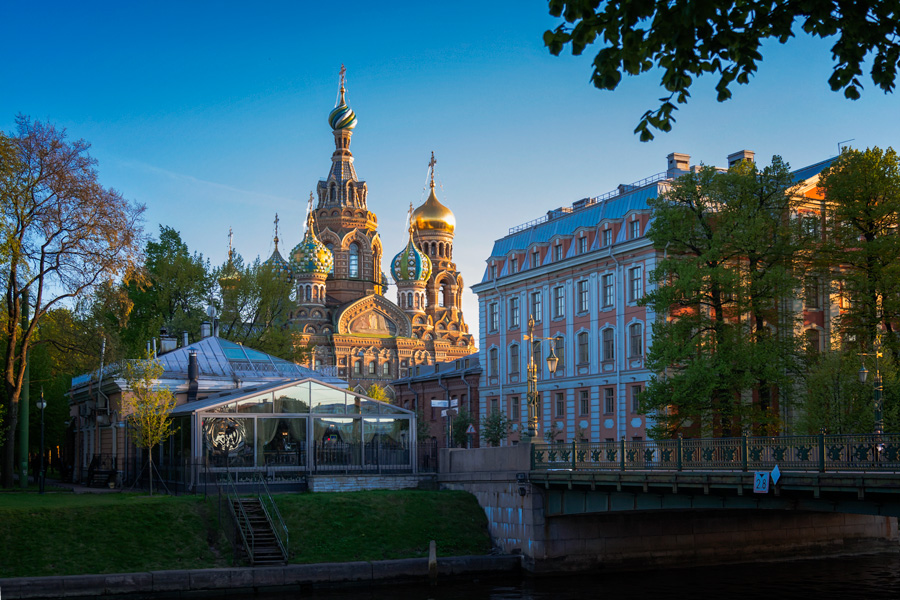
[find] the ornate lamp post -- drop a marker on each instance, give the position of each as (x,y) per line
(533,399)
(41,404)
(879,388)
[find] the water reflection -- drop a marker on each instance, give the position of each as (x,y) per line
(872,576)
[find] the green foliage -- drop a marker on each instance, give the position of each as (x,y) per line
(376,392)
(494,428)
(423,427)
(723,38)
(863,193)
(729,260)
(256,308)
(458,428)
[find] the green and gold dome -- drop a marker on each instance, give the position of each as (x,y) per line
(310,255)
(411,264)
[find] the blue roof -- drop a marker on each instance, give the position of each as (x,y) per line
(813,170)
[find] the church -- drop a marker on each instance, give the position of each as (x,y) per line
(354,331)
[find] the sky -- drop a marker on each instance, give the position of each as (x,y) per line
(214,114)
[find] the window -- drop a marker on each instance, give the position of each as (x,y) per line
(560,404)
(538,357)
(353,258)
(536,308)
(357,367)
(494,402)
(536,258)
(635,398)
(514,359)
(514,264)
(559,347)
(583,348)
(493,270)
(584,402)
(557,252)
(810,224)
(493,356)
(635,284)
(812,340)
(636,337)
(386,369)
(372,366)
(513,312)
(582,244)
(607,237)
(634,230)
(583,295)
(493,320)
(559,302)
(609,401)
(608,289)
(609,344)
(813,293)
(514,408)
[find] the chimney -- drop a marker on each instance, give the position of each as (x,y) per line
(193,376)
(736,157)
(184,339)
(205,329)
(167,342)
(678,164)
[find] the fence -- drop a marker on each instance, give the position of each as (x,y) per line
(862,452)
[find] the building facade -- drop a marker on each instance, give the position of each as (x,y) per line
(580,272)
(342,312)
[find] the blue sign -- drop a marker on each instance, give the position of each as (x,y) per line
(776,474)
(761,482)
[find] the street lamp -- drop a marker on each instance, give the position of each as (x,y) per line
(42,405)
(879,388)
(533,399)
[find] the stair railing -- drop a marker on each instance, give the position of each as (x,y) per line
(239,516)
(273,515)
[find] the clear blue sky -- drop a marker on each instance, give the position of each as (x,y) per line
(213,114)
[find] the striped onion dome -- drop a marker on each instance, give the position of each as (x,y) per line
(311,255)
(411,264)
(342,117)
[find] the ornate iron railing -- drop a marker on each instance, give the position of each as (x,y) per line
(863,452)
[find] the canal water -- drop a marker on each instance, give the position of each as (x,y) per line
(875,576)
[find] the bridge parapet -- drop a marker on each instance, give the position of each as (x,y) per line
(822,453)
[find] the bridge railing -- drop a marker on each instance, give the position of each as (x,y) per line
(861,452)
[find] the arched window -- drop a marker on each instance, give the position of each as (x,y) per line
(372,368)
(493,362)
(584,346)
(353,260)
(609,344)
(636,339)
(514,359)
(386,369)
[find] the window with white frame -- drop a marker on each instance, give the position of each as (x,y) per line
(353,260)
(557,252)
(635,284)
(636,398)
(609,400)
(582,244)
(607,237)
(636,339)
(559,347)
(386,369)
(535,258)
(514,359)
(608,283)
(584,401)
(584,347)
(560,404)
(493,270)
(559,302)
(536,308)
(583,296)
(634,230)
(514,264)
(493,362)
(514,312)
(514,408)
(609,344)
(493,316)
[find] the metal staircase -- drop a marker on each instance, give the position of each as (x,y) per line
(258,531)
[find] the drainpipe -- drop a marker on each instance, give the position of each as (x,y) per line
(447,398)
(620,326)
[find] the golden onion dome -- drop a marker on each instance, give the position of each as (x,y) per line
(433,215)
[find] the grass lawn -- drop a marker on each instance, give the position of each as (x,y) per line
(68,534)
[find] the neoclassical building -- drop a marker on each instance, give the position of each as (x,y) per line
(342,312)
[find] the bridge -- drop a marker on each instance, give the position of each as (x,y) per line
(684,501)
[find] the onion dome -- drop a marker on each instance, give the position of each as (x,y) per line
(230,276)
(342,117)
(277,263)
(311,255)
(411,264)
(433,215)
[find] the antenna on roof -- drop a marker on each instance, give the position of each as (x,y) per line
(840,144)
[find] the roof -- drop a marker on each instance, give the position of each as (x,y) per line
(444,370)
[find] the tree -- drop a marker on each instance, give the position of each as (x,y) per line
(494,428)
(256,308)
(686,40)
(459,428)
(728,244)
(376,392)
(147,406)
(62,234)
(862,191)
